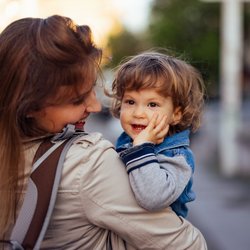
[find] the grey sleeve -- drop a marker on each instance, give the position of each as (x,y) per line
(157,184)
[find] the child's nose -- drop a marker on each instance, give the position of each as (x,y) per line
(139,111)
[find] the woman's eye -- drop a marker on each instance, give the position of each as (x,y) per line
(153,104)
(78,101)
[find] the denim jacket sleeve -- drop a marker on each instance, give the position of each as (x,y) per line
(156,180)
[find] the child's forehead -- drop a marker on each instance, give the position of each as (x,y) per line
(160,83)
(150,92)
(157,85)
(146,81)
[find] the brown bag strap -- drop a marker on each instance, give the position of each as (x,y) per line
(40,197)
(43,177)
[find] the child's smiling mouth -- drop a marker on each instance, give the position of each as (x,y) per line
(138,127)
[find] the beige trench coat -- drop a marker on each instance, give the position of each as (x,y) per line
(96,209)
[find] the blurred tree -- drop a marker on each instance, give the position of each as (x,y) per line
(190,28)
(124,44)
(246,75)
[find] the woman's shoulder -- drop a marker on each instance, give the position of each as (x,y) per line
(94,139)
(89,145)
(86,141)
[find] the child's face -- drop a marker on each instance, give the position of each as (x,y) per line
(54,118)
(138,107)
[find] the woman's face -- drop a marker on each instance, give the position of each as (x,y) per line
(54,118)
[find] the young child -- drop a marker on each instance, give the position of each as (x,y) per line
(159,100)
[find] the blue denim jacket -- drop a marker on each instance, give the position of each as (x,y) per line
(177,144)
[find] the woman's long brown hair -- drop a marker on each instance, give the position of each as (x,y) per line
(37,56)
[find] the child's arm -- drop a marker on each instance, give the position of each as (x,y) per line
(157,181)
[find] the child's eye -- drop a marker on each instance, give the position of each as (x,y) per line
(153,104)
(130,102)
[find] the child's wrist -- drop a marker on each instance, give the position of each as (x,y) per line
(137,143)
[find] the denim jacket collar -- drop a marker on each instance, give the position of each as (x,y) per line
(176,140)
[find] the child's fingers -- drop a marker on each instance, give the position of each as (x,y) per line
(153,122)
(162,124)
(162,128)
(163,132)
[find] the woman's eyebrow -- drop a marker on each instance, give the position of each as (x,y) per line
(81,96)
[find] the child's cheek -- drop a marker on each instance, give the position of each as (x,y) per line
(150,116)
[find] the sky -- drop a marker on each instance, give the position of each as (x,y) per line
(133,13)
(103,16)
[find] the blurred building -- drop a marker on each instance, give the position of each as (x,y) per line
(97,14)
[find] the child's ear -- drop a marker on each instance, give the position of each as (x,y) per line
(177,116)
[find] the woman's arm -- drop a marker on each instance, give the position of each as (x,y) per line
(109,203)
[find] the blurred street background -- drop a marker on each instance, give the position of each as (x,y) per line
(212,35)
(222,208)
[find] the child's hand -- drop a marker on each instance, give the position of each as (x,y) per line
(155,132)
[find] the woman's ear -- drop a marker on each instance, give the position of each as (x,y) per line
(177,115)
(34,114)
(30,115)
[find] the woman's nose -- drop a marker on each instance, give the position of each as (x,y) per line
(93,105)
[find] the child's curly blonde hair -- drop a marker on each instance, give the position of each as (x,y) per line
(170,76)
